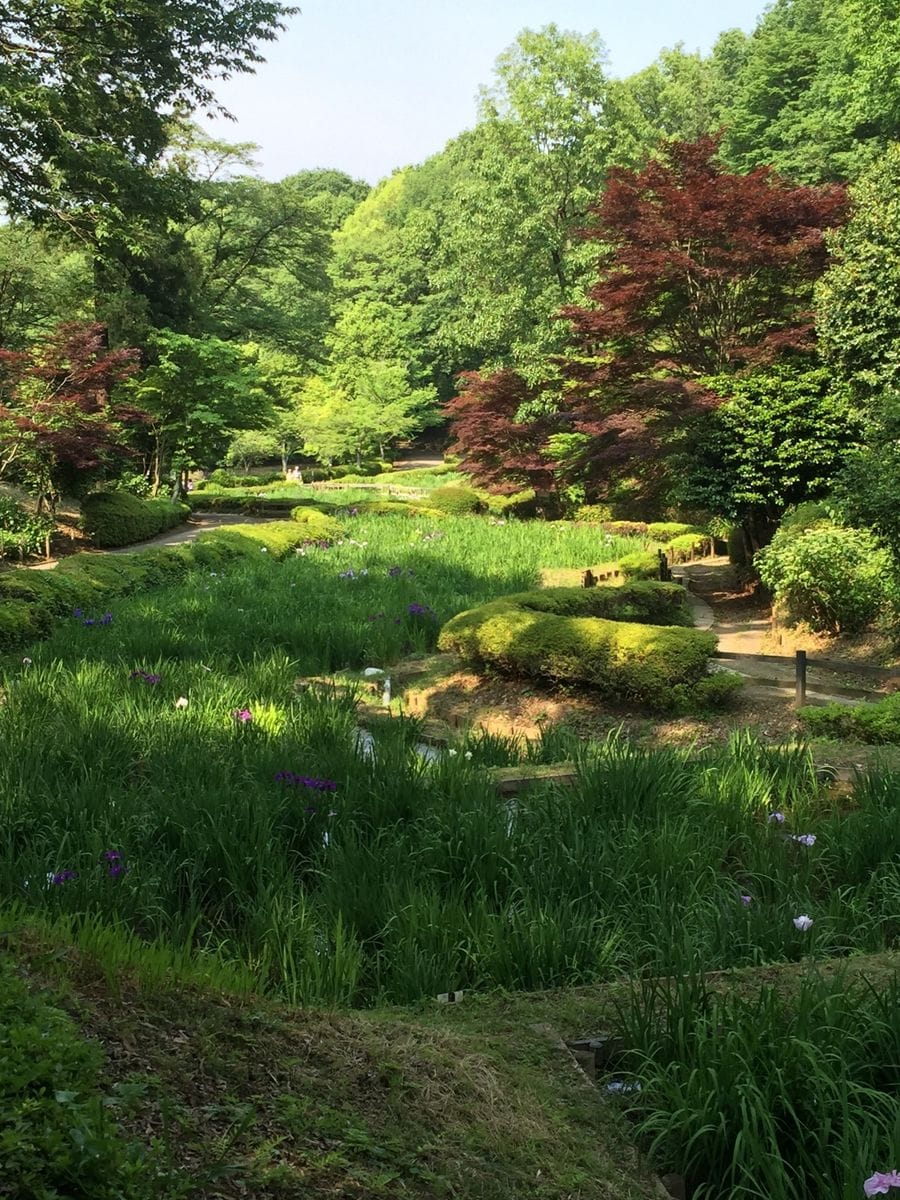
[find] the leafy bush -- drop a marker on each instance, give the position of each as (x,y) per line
(519,504)
(665,531)
(318,526)
(457,501)
(56,1134)
(835,579)
(651,603)
(688,546)
(120,518)
(631,661)
(877,723)
(21,532)
(806,516)
(643,564)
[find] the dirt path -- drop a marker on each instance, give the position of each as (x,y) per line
(174,537)
(739,620)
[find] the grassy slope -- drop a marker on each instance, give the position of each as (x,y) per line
(245,1098)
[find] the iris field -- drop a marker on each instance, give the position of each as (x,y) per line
(172,799)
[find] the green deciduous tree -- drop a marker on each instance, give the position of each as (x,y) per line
(88,87)
(781,437)
(523,183)
(196,392)
(858,299)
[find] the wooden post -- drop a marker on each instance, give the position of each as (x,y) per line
(664,573)
(800,698)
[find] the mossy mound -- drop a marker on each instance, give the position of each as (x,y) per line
(121,519)
(526,634)
(320,527)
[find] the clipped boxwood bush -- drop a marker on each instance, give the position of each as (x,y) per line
(878,723)
(652,603)
(687,546)
(643,564)
(120,518)
(665,531)
(836,579)
(455,500)
(646,663)
(318,526)
(520,504)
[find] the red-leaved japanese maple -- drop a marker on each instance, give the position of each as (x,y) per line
(704,271)
(56,409)
(497,450)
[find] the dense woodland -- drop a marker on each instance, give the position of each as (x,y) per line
(670,294)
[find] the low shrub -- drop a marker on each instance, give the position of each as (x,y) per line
(456,501)
(665,531)
(120,518)
(261,506)
(643,564)
(56,1129)
(626,528)
(22,532)
(877,723)
(319,526)
(395,508)
(835,579)
(520,504)
(688,546)
(714,693)
(622,659)
(651,603)
(592,514)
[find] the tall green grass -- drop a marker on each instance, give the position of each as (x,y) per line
(787,1096)
(411,877)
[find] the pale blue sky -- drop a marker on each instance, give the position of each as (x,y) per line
(370,85)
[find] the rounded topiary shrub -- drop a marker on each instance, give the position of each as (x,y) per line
(835,579)
(120,518)
(318,526)
(665,531)
(653,664)
(455,500)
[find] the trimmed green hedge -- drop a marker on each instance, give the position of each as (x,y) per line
(878,723)
(651,603)
(688,546)
(643,564)
(30,601)
(519,504)
(318,526)
(656,665)
(456,501)
(257,506)
(121,519)
(665,531)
